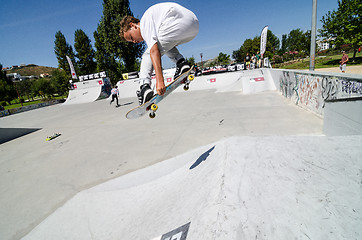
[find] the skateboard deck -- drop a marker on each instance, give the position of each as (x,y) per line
(53,136)
(151,105)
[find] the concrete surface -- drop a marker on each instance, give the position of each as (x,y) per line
(41,182)
(236,188)
(349,69)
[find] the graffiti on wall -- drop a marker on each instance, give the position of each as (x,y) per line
(288,84)
(351,87)
(311,91)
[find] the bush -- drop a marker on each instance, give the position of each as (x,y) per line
(277,59)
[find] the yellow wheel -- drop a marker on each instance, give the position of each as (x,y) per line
(190,77)
(154,107)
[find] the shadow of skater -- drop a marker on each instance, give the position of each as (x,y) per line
(202,157)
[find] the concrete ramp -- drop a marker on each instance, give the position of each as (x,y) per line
(89,91)
(237,188)
(247,82)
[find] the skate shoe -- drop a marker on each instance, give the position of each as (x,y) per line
(181,67)
(145,94)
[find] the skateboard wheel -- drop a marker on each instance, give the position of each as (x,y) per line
(190,77)
(186,87)
(154,107)
(152,115)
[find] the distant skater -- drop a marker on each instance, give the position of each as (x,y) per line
(343,62)
(115,94)
(163,27)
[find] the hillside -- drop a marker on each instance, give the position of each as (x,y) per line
(32,69)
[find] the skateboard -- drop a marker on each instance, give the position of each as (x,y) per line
(53,136)
(151,106)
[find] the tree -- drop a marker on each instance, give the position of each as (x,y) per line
(191,61)
(7,90)
(24,88)
(42,87)
(63,49)
(85,53)
(114,55)
(60,81)
(252,46)
(237,56)
(284,44)
(223,59)
(297,40)
(344,26)
(272,45)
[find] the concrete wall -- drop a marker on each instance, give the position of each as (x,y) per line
(310,90)
(342,118)
(246,82)
(336,97)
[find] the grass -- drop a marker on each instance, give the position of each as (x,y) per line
(16,104)
(320,62)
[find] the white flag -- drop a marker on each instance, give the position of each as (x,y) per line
(263,36)
(74,75)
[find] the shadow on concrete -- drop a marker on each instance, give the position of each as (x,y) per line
(8,134)
(202,158)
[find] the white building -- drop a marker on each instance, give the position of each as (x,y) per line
(324,44)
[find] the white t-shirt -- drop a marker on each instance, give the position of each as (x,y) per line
(160,14)
(115,91)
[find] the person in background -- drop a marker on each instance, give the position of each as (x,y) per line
(343,62)
(247,61)
(258,60)
(253,60)
(115,94)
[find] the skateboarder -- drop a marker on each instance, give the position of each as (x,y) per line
(163,27)
(115,94)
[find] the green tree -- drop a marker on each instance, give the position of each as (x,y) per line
(63,49)
(237,56)
(191,61)
(24,88)
(344,25)
(223,58)
(84,53)
(297,40)
(283,49)
(60,81)
(252,46)
(42,87)
(114,55)
(272,45)
(7,90)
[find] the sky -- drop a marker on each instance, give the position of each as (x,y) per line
(27,27)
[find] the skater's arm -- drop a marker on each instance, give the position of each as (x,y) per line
(157,65)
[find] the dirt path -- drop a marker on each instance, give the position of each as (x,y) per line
(350,69)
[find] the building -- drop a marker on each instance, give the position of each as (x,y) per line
(325,44)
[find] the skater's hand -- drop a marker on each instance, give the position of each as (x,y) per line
(160,87)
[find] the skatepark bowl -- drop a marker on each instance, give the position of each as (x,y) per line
(259,154)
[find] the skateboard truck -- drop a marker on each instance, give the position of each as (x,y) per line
(151,106)
(187,82)
(153,110)
(154,106)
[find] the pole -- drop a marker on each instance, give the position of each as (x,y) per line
(202,65)
(313,37)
